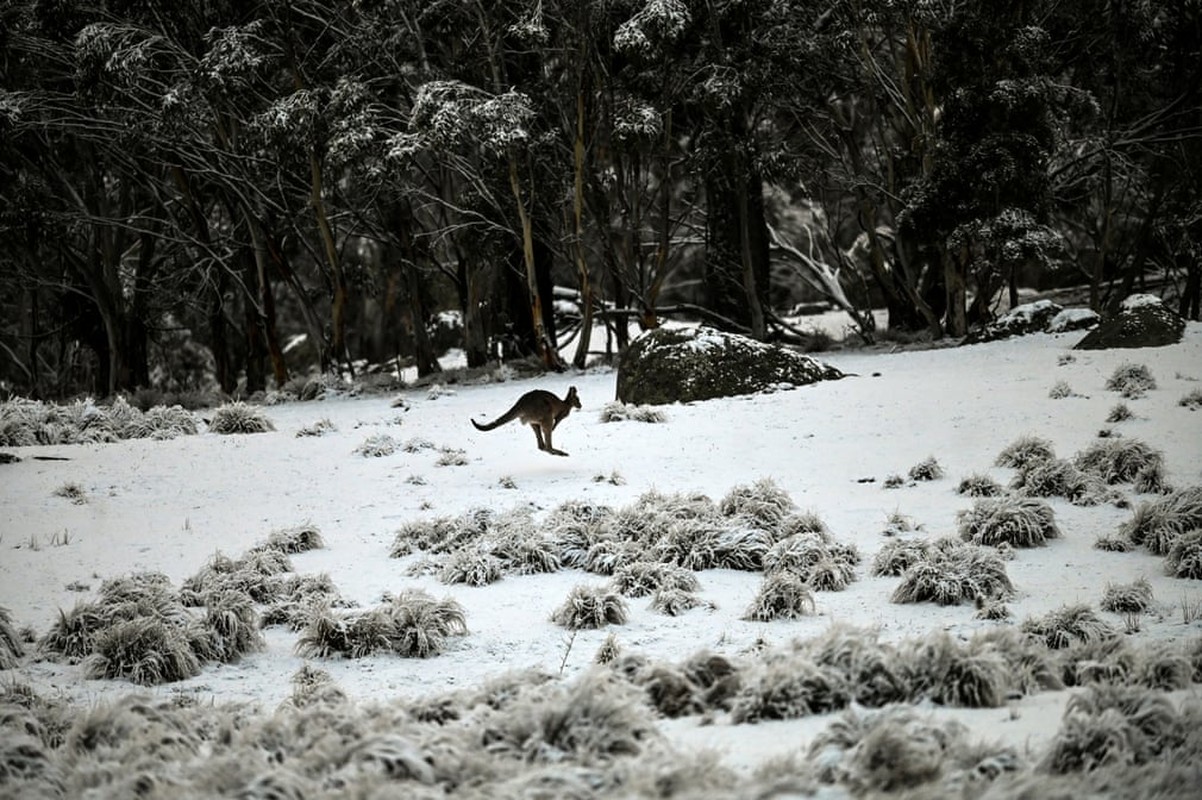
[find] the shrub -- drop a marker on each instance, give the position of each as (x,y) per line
(146,651)
(377,446)
(238,417)
(1111,726)
(926,470)
(412,625)
(1025,451)
(762,501)
(898,555)
(1191,400)
(641,578)
(319,428)
(474,566)
(617,411)
(526,552)
(1113,544)
(825,565)
(590,607)
(1131,380)
(1070,623)
(1157,523)
(972,675)
(1057,477)
(297,539)
(673,602)
(788,687)
(872,669)
(232,627)
(1119,413)
(889,751)
(979,485)
(1060,390)
(73,492)
(441,534)
(1128,598)
(1015,521)
(1119,460)
(1184,559)
(1163,668)
(783,595)
(598,718)
(1101,660)
(11,649)
(952,573)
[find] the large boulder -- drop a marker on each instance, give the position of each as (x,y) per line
(1037,317)
(1142,321)
(683,365)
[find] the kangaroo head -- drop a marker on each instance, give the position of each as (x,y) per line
(572,399)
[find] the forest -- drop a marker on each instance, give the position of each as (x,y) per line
(228,195)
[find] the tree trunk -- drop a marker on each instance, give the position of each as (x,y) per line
(544,342)
(736,257)
(586,285)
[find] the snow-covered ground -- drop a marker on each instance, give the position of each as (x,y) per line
(169,506)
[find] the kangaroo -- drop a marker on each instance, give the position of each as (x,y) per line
(540,410)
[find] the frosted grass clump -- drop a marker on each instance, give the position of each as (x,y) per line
(928,469)
(763,501)
(788,686)
(1060,390)
(1068,624)
(952,572)
(1025,451)
(1120,412)
(979,485)
(472,566)
(641,578)
(1057,477)
(617,411)
(412,625)
(1014,521)
(238,417)
(898,555)
(1156,524)
(1122,460)
(1191,400)
(782,595)
(590,607)
(319,428)
(11,648)
(1131,380)
(1128,598)
(1184,559)
(297,539)
(821,563)
(377,446)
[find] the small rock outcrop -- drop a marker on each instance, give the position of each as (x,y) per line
(1141,321)
(1041,316)
(683,365)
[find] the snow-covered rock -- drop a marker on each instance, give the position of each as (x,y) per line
(1141,321)
(683,365)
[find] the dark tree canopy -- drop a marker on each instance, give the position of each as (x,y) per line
(229,196)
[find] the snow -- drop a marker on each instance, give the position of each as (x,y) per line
(171,505)
(1071,319)
(1140,301)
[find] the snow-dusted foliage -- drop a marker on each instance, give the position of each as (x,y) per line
(1131,380)
(591,607)
(783,594)
(239,417)
(950,572)
(1068,624)
(1157,524)
(411,624)
(1025,451)
(1015,521)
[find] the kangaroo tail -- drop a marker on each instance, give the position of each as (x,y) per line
(498,422)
